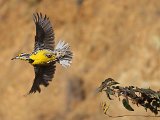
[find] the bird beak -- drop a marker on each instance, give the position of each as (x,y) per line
(14,58)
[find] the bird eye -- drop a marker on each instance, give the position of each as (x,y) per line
(49,55)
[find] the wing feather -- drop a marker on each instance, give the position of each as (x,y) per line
(43,74)
(44,38)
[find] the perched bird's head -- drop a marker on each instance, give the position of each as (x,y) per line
(22,56)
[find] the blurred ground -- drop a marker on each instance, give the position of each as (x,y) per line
(110,38)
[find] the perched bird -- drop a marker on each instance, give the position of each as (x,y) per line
(45,55)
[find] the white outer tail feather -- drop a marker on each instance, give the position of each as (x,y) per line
(65,55)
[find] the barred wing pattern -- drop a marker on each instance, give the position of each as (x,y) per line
(43,74)
(44,38)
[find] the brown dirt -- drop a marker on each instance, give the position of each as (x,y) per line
(110,38)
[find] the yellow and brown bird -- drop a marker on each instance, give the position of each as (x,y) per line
(45,55)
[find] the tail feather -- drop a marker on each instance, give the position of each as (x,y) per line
(64,54)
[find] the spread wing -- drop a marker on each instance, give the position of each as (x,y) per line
(44,38)
(43,74)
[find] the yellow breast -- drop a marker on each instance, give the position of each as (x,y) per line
(40,57)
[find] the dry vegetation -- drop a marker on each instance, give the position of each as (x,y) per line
(144,97)
(110,38)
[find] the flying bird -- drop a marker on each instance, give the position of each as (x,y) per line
(45,53)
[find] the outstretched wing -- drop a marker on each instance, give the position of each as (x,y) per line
(43,74)
(44,38)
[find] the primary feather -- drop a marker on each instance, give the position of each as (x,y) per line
(43,74)
(44,38)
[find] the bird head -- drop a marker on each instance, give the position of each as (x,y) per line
(22,56)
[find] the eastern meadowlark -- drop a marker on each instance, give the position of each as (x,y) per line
(45,55)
